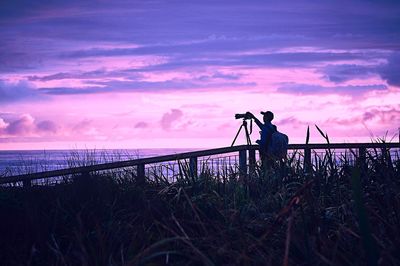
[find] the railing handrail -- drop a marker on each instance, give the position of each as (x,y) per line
(324,146)
(181,156)
(121,164)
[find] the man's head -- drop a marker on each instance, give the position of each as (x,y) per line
(268,116)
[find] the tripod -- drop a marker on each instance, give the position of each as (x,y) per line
(246,130)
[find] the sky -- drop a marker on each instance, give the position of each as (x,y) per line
(172,74)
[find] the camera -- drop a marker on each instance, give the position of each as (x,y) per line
(244,116)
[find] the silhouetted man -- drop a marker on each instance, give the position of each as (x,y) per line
(267,129)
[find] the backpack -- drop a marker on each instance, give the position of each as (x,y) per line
(279,145)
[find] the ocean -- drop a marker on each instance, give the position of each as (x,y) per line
(29,161)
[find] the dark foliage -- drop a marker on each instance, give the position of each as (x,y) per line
(335,214)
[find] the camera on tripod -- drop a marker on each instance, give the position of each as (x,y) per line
(244,116)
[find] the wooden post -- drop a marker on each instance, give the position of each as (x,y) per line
(193,166)
(140,174)
(307,160)
(27,183)
(362,158)
(84,175)
(386,156)
(252,161)
(242,164)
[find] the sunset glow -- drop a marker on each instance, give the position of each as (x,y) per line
(155,74)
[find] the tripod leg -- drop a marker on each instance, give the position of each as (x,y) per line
(247,135)
(237,134)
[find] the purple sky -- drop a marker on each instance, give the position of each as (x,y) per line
(137,74)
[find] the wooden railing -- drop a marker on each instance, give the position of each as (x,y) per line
(247,157)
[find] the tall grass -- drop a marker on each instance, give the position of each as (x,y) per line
(336,213)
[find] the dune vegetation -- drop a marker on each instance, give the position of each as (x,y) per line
(339,212)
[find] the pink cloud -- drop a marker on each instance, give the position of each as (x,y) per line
(375,116)
(391,115)
(3,124)
(47,126)
(169,118)
(25,126)
(22,126)
(141,125)
(292,122)
(82,125)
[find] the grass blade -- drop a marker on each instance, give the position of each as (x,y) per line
(321,132)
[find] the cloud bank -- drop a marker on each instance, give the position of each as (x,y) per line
(98,70)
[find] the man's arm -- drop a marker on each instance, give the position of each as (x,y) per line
(259,124)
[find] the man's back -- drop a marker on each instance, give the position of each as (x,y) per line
(266,135)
